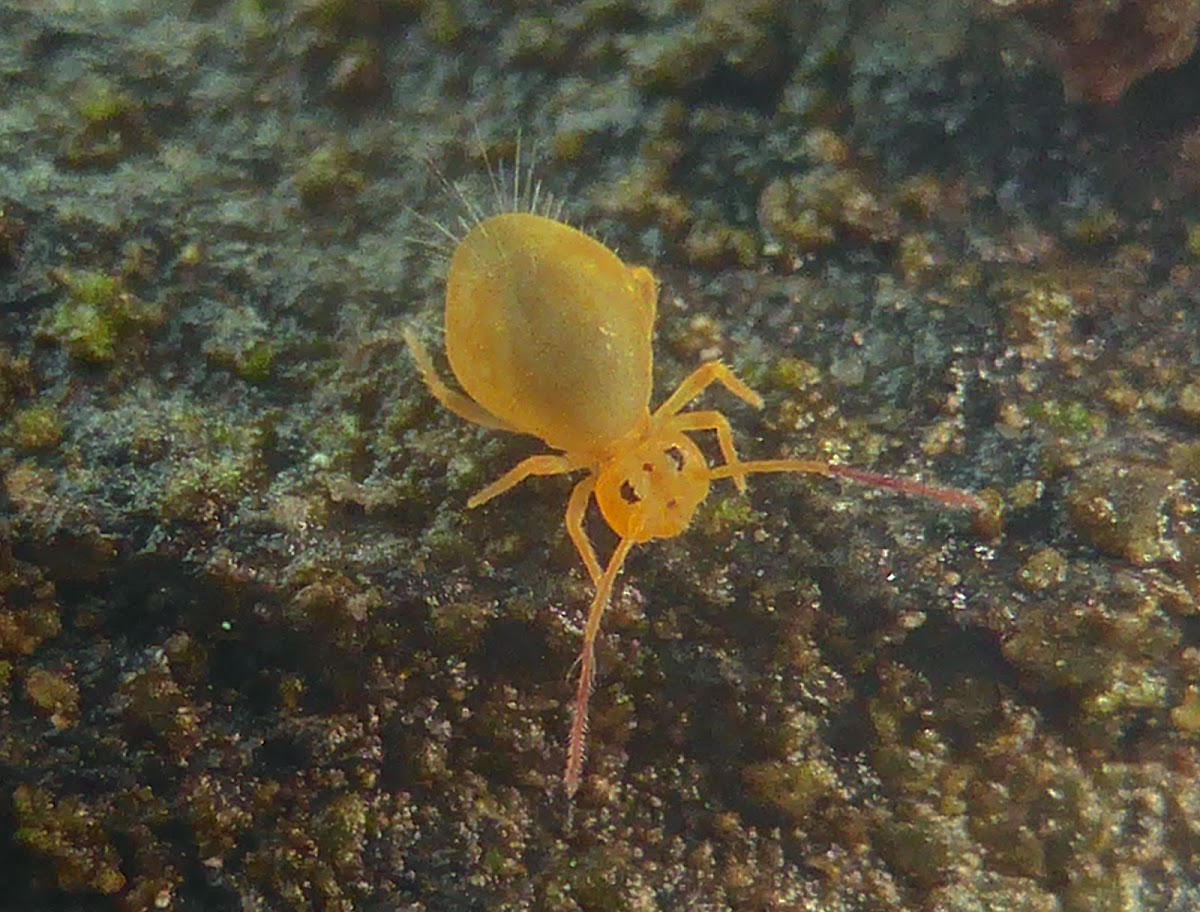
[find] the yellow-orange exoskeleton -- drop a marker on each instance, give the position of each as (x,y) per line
(549,334)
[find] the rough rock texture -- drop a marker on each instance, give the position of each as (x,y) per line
(256,654)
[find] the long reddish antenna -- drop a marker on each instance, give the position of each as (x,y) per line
(951,497)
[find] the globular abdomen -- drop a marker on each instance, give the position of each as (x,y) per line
(547,329)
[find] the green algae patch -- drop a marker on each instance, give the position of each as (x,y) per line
(1067,419)
(211,466)
(643,195)
(29,614)
(340,17)
(200,489)
(12,236)
(1045,569)
(923,850)
(1187,403)
(68,833)
(1040,310)
(534,41)
(1109,656)
(1118,508)
(916,256)
(110,126)
(461,625)
(255,362)
(37,427)
(340,829)
(1095,229)
(1185,716)
(22,632)
(721,517)
(1192,241)
(217,814)
(97,317)
(714,245)
(154,706)
(16,379)
(328,177)
(741,38)
(329,604)
(792,789)
(1184,459)
(55,695)
(240,341)
(827,205)
(793,375)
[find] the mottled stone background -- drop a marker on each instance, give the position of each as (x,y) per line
(255,654)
